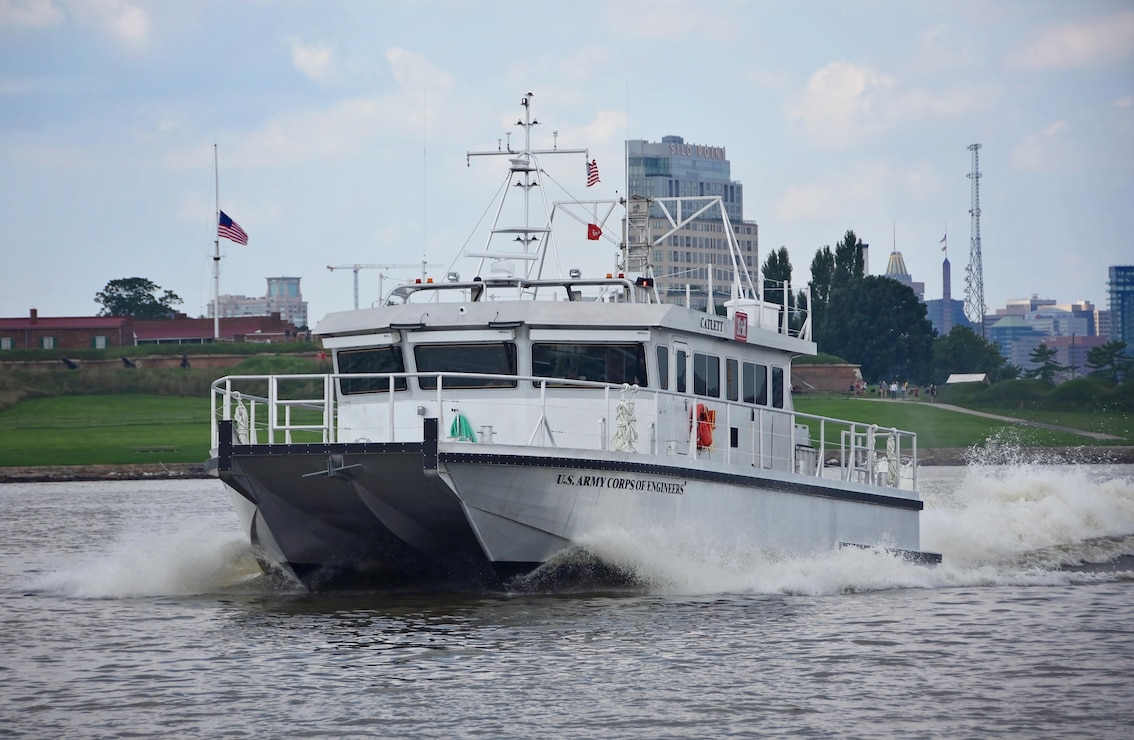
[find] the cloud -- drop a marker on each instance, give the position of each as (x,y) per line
(606,126)
(672,20)
(297,136)
(416,71)
(940,50)
(119,19)
(1047,150)
(803,201)
(1100,43)
(852,192)
(843,102)
(317,63)
(29,13)
(343,129)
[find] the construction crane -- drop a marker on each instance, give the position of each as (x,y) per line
(355,268)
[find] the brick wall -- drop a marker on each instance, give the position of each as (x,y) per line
(824,378)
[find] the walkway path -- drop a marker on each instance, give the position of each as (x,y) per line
(1013,420)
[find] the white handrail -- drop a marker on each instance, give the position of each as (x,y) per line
(769,427)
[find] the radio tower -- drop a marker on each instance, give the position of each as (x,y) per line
(974,273)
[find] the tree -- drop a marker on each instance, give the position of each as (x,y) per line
(1109,361)
(822,269)
(849,261)
(776,271)
(879,324)
(962,351)
(1044,358)
(830,270)
(136,297)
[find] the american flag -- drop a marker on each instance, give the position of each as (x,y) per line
(231,230)
(592,173)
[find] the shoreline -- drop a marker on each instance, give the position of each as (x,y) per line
(76,473)
(1084,455)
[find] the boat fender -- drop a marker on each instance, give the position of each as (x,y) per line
(706,421)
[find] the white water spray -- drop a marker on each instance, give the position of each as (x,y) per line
(142,564)
(998,525)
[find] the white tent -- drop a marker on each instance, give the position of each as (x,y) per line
(968,378)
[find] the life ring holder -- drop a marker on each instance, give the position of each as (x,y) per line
(705,420)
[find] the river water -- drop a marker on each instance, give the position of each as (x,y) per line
(133,609)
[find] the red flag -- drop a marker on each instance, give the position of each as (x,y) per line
(592,174)
(594,232)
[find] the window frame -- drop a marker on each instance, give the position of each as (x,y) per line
(427,383)
(370,385)
(638,348)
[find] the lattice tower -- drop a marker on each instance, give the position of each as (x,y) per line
(974,273)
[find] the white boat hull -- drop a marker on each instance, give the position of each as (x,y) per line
(454,513)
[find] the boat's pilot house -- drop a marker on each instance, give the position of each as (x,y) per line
(619,363)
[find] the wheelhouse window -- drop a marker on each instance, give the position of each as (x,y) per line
(663,367)
(371,360)
(497,358)
(706,375)
(604,363)
(755,383)
(732,381)
(679,369)
(778,387)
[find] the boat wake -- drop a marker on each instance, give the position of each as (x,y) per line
(1014,524)
(1025,524)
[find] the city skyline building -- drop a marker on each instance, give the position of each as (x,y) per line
(683,260)
(1120,300)
(946,312)
(283,297)
(896,270)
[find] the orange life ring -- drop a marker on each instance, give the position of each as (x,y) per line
(706,420)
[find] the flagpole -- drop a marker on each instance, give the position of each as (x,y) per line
(216,253)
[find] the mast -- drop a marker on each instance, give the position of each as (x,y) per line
(524,172)
(216,252)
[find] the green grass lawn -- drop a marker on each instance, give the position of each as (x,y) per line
(937,427)
(1116,423)
(93,430)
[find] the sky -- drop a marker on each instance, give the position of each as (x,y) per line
(337,134)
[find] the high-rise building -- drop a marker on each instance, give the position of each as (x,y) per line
(684,259)
(1120,291)
(896,270)
(283,297)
